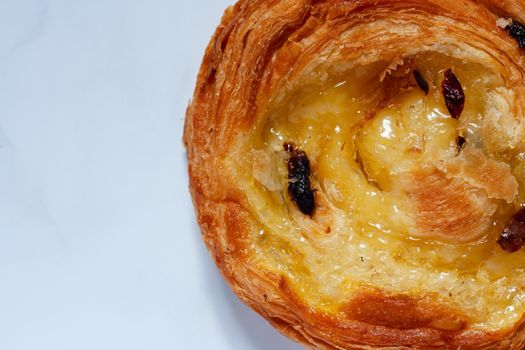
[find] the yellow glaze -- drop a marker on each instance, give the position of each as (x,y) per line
(363,232)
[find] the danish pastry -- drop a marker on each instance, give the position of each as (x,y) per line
(358,169)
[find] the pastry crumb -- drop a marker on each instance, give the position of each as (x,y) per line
(503,22)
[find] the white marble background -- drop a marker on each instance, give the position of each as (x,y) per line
(98,243)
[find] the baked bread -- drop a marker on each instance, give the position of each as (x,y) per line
(358,169)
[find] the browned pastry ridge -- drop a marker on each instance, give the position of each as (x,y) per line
(358,168)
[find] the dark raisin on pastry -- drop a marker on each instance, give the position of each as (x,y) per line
(299,179)
(517,31)
(513,236)
(453,94)
(460,142)
(421,82)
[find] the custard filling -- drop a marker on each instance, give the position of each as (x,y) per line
(403,201)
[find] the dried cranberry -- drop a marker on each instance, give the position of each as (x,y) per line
(513,236)
(421,82)
(299,180)
(453,93)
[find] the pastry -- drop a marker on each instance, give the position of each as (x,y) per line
(358,169)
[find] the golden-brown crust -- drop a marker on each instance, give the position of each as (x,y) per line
(402,312)
(443,209)
(455,201)
(263,47)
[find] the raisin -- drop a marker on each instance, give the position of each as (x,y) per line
(513,236)
(288,147)
(453,94)
(421,82)
(299,180)
(460,141)
(520,215)
(517,31)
